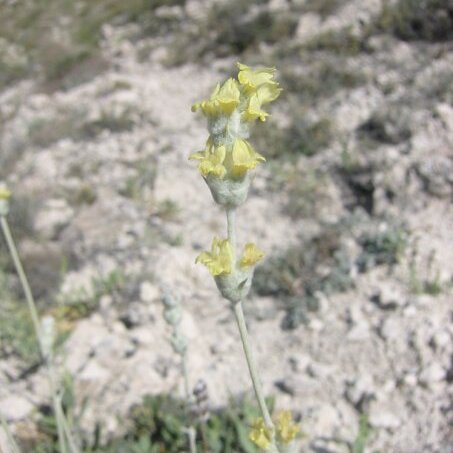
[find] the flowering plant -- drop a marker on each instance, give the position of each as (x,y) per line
(226,164)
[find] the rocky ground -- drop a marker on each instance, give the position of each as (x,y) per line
(358,187)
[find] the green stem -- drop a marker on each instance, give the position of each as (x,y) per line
(239,313)
(231,225)
(191,431)
(22,277)
(37,327)
(253,369)
(9,437)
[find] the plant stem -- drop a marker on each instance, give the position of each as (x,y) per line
(253,369)
(59,414)
(191,431)
(22,277)
(9,437)
(239,313)
(231,225)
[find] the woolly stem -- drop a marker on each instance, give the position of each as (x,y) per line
(240,319)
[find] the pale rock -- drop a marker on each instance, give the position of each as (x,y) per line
(432,374)
(388,297)
(148,292)
(321,370)
(391,329)
(361,391)
(359,332)
(53,217)
(441,340)
(382,417)
(94,372)
(316,325)
(410,380)
(299,385)
(308,25)
(326,418)
(15,408)
(445,111)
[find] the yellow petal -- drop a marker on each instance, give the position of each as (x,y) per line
(286,428)
(244,157)
(268,92)
(211,160)
(220,260)
(252,254)
(228,96)
(254,110)
(197,156)
(260,434)
(251,80)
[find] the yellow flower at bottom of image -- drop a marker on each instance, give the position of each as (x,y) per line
(219,260)
(251,255)
(260,434)
(286,428)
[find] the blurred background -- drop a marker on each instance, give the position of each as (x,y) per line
(351,310)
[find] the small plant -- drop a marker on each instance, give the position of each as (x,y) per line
(429,20)
(226,164)
(430,283)
(294,276)
(386,247)
(44,330)
(340,42)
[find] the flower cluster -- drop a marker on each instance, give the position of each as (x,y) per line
(228,156)
(226,162)
(285,431)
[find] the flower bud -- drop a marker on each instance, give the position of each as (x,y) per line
(179,343)
(173,315)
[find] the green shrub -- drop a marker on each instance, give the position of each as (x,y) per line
(430,20)
(294,276)
(157,425)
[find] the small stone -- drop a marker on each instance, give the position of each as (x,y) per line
(391,329)
(440,340)
(388,297)
(298,385)
(15,408)
(316,325)
(359,332)
(53,218)
(383,418)
(410,380)
(94,372)
(432,374)
(148,292)
(320,370)
(361,391)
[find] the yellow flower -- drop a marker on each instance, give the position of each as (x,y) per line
(5,193)
(252,254)
(286,429)
(244,157)
(211,160)
(253,110)
(260,434)
(251,80)
(224,99)
(220,260)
